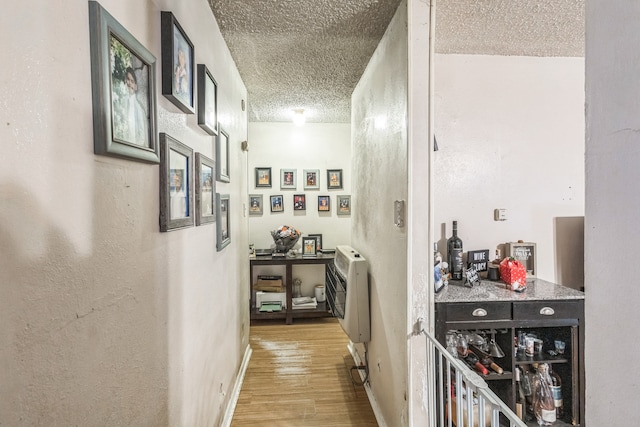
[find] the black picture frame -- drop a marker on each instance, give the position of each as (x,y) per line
(222,155)
(223,221)
(344,204)
(255,204)
(176,189)
(123,87)
(324,203)
(334,179)
(277,203)
(263,177)
(207,101)
(299,202)
(318,238)
(205,190)
(178,64)
(309,246)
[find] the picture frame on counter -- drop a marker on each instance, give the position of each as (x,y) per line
(207,101)
(318,238)
(263,177)
(205,190)
(222,155)
(288,179)
(123,84)
(223,222)
(255,204)
(277,203)
(178,64)
(299,202)
(344,204)
(311,179)
(309,245)
(324,204)
(176,184)
(526,253)
(334,179)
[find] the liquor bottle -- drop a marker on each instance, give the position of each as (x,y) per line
(520,399)
(556,390)
(454,253)
(543,405)
(473,361)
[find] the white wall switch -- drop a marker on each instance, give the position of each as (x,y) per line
(500,214)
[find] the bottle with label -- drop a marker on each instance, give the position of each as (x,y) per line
(520,399)
(454,253)
(556,391)
(543,405)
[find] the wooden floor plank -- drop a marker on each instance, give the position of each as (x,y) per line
(299,375)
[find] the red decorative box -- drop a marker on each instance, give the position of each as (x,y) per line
(513,273)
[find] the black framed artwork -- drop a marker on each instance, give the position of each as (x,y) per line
(207,101)
(263,177)
(123,83)
(176,184)
(177,64)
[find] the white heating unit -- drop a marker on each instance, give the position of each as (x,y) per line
(347,289)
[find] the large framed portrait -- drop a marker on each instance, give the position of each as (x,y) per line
(177,64)
(222,155)
(176,184)
(334,179)
(277,203)
(344,205)
(299,202)
(223,222)
(205,190)
(255,204)
(207,101)
(263,177)
(288,179)
(311,179)
(123,85)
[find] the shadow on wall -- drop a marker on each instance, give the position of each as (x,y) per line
(569,248)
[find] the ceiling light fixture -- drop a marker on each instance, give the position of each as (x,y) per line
(298,116)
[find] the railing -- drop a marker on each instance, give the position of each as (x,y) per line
(455,381)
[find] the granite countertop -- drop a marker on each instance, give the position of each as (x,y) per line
(487,290)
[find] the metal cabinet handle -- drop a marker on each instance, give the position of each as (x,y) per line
(479,312)
(547,311)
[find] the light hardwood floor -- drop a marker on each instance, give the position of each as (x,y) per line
(299,375)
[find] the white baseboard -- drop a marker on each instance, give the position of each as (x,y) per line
(367,387)
(231,406)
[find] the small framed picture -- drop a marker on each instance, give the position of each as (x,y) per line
(311,179)
(176,183)
(123,81)
(207,101)
(205,190)
(318,238)
(334,179)
(288,179)
(299,202)
(263,177)
(255,204)
(324,204)
(223,223)
(309,247)
(344,205)
(277,203)
(222,155)
(177,64)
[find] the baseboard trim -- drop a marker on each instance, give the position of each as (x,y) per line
(233,401)
(377,412)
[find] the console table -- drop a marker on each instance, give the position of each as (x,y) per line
(288,314)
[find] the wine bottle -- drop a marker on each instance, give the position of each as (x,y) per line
(556,390)
(473,361)
(520,400)
(454,253)
(543,405)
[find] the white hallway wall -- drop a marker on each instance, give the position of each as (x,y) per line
(105,320)
(510,132)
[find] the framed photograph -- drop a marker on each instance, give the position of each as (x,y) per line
(309,245)
(311,179)
(123,84)
(205,190)
(176,183)
(277,203)
(334,179)
(223,224)
(207,101)
(177,64)
(222,155)
(318,238)
(324,203)
(288,179)
(255,204)
(263,177)
(299,202)
(344,205)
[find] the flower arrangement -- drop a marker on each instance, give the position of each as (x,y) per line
(285,238)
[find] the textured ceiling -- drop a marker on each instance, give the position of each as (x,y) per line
(310,54)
